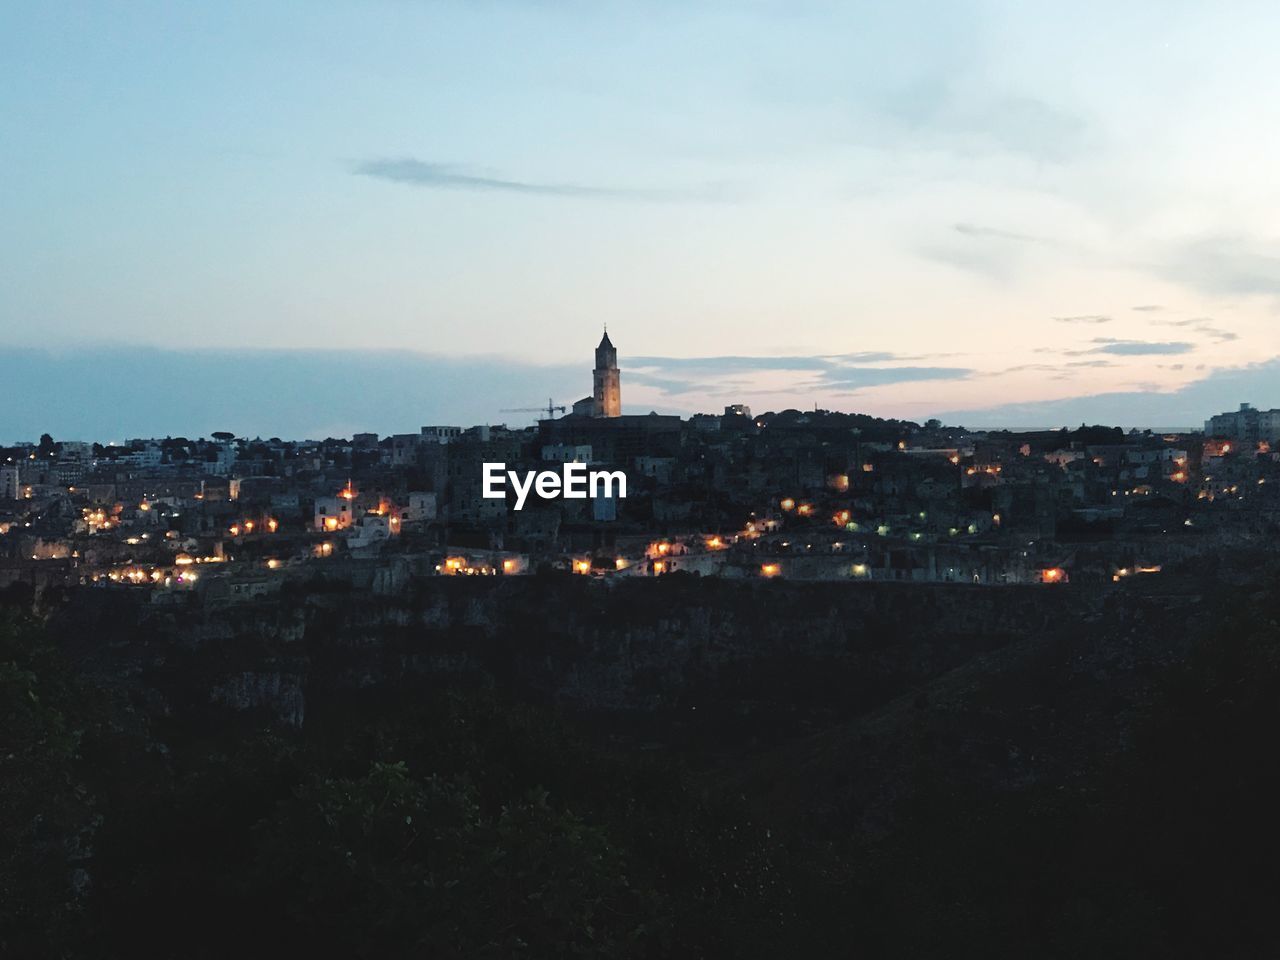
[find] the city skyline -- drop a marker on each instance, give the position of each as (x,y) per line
(1011,218)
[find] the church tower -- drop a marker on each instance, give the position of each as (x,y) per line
(606,399)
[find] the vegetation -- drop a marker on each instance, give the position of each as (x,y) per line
(466,823)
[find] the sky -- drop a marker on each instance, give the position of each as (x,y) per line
(298,219)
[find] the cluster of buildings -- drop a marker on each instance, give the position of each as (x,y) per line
(797,494)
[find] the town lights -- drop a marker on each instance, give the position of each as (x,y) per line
(769,570)
(787,504)
(272,525)
(581,566)
(1053,575)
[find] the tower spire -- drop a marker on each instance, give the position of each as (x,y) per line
(607,392)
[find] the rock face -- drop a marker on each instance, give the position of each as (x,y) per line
(786,654)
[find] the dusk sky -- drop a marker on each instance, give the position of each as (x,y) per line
(294,219)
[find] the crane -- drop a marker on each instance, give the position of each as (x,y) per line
(551,409)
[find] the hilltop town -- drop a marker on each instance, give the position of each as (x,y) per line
(803,495)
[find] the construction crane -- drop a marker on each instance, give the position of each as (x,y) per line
(551,409)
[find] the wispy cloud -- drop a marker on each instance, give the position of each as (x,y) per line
(995,233)
(1085,318)
(1220,389)
(856,378)
(445,176)
(1202,325)
(838,372)
(1140,348)
(1226,265)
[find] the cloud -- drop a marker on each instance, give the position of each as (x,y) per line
(836,372)
(993,252)
(1139,348)
(934,112)
(1147,307)
(1226,265)
(285,393)
(735,364)
(1202,325)
(995,233)
(856,378)
(1085,318)
(444,176)
(1186,407)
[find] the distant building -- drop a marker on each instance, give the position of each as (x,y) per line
(606,394)
(439,434)
(9,485)
(404,449)
(1246,424)
(567,453)
(607,385)
(333,513)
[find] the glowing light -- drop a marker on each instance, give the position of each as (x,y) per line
(659,566)
(859,569)
(787,504)
(234,530)
(581,566)
(1053,575)
(769,570)
(508,565)
(331,523)
(272,525)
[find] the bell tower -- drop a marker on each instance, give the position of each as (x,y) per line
(606,396)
